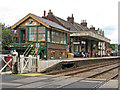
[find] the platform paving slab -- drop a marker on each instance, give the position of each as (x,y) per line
(82,84)
(110,84)
(60,83)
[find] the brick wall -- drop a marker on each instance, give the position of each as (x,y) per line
(56,51)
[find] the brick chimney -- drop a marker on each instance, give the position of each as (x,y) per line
(70,19)
(84,23)
(50,12)
(92,28)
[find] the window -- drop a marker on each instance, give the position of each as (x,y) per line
(41,33)
(48,35)
(53,36)
(76,48)
(64,38)
(57,37)
(32,33)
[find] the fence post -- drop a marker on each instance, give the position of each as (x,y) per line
(38,63)
(21,62)
(14,60)
(30,63)
(14,64)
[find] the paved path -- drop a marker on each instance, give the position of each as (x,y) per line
(49,81)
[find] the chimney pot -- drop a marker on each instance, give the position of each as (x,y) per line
(92,28)
(44,13)
(72,15)
(50,10)
(84,23)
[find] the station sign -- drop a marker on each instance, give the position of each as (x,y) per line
(76,42)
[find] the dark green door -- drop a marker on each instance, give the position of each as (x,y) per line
(22,36)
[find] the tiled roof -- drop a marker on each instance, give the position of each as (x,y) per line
(75,27)
(51,23)
(82,27)
(67,24)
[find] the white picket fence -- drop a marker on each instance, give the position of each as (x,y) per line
(29,64)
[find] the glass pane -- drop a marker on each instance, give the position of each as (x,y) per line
(32,33)
(64,38)
(41,29)
(53,36)
(58,37)
(48,36)
(41,33)
(43,37)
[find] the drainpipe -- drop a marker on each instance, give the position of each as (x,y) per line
(46,43)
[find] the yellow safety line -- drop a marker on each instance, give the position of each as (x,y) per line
(30,74)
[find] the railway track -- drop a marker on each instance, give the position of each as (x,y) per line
(82,69)
(73,74)
(113,65)
(97,74)
(105,81)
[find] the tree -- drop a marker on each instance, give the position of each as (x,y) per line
(7,36)
(112,46)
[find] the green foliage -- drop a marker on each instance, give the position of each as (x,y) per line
(6,35)
(112,46)
(18,45)
(119,47)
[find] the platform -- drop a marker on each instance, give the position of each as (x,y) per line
(111,84)
(46,64)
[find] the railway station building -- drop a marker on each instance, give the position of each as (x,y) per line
(55,37)
(82,38)
(50,39)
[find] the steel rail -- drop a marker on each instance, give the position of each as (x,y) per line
(74,69)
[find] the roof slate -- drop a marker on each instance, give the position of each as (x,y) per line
(52,24)
(67,24)
(75,27)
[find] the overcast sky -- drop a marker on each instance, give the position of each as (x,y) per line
(101,14)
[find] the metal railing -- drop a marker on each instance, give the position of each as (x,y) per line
(28,49)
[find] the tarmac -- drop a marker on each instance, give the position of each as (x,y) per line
(38,80)
(49,81)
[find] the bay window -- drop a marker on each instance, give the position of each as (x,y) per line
(38,33)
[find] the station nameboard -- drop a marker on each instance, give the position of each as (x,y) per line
(76,42)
